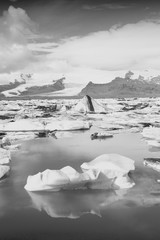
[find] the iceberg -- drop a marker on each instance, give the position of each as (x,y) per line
(109,126)
(153,163)
(56,180)
(88,104)
(113,167)
(5,156)
(152,133)
(108,171)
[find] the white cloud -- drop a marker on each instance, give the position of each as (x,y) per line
(97,57)
(133,46)
(16,28)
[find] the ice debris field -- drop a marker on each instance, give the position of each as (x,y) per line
(25,120)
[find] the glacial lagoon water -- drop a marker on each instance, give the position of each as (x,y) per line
(80,214)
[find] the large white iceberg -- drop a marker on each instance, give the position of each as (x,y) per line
(113,167)
(56,180)
(105,172)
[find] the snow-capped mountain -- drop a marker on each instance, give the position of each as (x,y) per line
(25,84)
(131,85)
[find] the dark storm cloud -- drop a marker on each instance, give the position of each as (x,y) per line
(99,7)
(111,4)
(66,18)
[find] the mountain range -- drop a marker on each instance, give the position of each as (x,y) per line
(127,86)
(124,87)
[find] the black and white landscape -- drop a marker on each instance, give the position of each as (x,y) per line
(79,119)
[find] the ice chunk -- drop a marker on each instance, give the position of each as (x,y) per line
(88,104)
(22,125)
(65,178)
(153,143)
(151,132)
(68,125)
(4,170)
(5,156)
(153,163)
(104,172)
(51,180)
(114,167)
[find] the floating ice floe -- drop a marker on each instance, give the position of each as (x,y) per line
(153,134)
(68,125)
(105,172)
(56,180)
(5,156)
(62,134)
(8,141)
(17,136)
(109,127)
(153,163)
(22,125)
(4,170)
(12,106)
(136,106)
(153,143)
(7,114)
(26,125)
(13,147)
(114,167)
(6,144)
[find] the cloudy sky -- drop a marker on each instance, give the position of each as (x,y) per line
(85,40)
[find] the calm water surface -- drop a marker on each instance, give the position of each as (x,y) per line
(80,215)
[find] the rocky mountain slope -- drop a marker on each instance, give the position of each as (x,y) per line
(26,87)
(124,87)
(34,90)
(11,85)
(144,84)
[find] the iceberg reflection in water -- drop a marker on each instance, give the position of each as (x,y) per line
(71,204)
